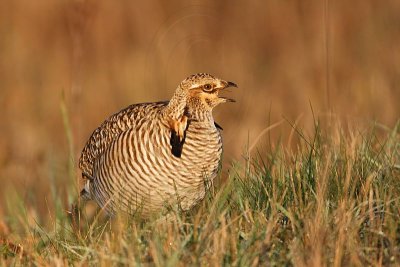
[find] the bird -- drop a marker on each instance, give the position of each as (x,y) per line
(149,156)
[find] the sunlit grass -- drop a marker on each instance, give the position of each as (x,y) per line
(334,200)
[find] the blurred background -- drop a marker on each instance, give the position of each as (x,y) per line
(65,66)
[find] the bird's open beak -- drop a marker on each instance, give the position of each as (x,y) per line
(227,85)
(231,84)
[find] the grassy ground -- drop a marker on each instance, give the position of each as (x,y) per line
(334,200)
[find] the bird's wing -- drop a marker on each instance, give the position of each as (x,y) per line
(110,129)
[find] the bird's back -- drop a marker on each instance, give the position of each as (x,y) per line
(129,164)
(103,136)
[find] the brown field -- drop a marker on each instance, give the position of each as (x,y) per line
(67,65)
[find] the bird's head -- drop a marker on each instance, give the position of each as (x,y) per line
(202,91)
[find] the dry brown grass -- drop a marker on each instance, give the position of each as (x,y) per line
(67,65)
(333,201)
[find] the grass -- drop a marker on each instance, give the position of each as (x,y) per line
(333,200)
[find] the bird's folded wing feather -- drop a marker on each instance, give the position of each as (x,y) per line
(110,129)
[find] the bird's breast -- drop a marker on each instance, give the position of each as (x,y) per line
(139,166)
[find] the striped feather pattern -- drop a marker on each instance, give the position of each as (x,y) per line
(129,162)
(151,155)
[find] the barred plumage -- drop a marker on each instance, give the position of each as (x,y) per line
(150,155)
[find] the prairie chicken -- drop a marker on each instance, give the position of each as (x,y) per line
(150,155)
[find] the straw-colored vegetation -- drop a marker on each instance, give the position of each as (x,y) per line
(299,186)
(333,201)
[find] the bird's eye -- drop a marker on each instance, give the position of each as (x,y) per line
(207,87)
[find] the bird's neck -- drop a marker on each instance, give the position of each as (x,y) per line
(176,106)
(200,114)
(194,108)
